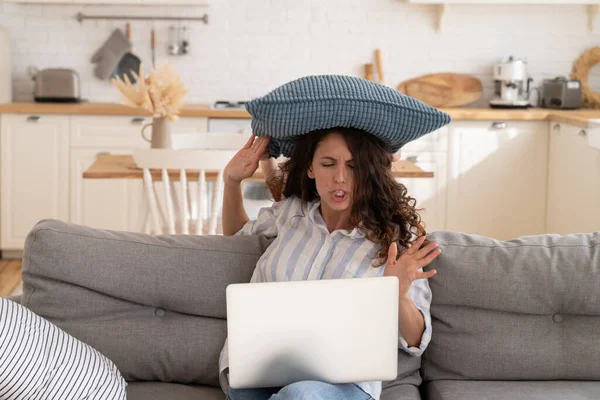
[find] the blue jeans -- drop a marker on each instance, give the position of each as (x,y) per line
(313,390)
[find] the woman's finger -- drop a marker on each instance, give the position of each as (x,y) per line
(392,253)
(261,148)
(249,142)
(262,145)
(429,258)
(426,275)
(255,143)
(426,250)
(416,245)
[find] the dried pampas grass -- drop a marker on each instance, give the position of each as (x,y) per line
(161,93)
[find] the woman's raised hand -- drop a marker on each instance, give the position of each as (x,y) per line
(408,267)
(245,163)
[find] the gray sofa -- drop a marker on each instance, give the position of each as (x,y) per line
(511,320)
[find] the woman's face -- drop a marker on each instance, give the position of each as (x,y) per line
(332,169)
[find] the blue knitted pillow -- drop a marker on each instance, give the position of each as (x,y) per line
(328,101)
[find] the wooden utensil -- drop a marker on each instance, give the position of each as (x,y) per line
(369,72)
(379,66)
(153,45)
(443,89)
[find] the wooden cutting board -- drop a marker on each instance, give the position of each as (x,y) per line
(443,89)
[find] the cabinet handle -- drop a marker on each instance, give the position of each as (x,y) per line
(33,118)
(138,121)
(582,133)
(556,127)
(414,159)
(498,125)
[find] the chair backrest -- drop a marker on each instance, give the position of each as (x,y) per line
(183,159)
(197,152)
(211,141)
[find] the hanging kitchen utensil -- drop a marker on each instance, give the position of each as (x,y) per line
(369,72)
(184,42)
(379,64)
(173,44)
(129,64)
(107,57)
(153,44)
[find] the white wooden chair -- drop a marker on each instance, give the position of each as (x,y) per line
(197,153)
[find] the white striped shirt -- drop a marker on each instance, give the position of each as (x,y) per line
(301,235)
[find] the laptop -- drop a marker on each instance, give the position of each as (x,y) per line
(335,331)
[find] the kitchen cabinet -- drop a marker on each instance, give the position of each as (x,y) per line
(103,203)
(429,193)
(111,203)
(501,179)
(42,162)
(430,153)
(573,181)
(34,174)
(497,178)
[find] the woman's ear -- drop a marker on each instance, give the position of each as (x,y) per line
(310,173)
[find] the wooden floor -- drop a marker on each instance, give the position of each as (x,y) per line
(10,277)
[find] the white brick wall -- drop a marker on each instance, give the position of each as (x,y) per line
(249,47)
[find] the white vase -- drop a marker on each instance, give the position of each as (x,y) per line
(161,133)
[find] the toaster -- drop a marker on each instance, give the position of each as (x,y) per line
(57,85)
(560,93)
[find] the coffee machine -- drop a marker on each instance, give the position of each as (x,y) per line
(512,84)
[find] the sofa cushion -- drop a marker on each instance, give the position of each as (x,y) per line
(401,392)
(39,360)
(153,305)
(171,391)
(492,390)
(524,309)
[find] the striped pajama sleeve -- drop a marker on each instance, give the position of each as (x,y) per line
(40,361)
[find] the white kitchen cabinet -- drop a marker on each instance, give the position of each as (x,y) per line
(103,203)
(229,125)
(430,193)
(34,174)
(111,203)
(124,131)
(497,178)
(573,181)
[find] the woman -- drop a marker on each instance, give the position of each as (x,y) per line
(343,216)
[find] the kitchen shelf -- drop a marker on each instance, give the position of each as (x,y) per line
(440,7)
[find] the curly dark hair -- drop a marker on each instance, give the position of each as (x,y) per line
(381,204)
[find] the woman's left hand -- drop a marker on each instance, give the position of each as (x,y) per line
(406,268)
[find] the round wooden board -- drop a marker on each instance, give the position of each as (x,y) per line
(443,89)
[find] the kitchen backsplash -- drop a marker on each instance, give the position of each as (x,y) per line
(249,47)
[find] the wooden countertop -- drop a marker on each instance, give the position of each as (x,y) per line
(576,117)
(111,166)
(190,110)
